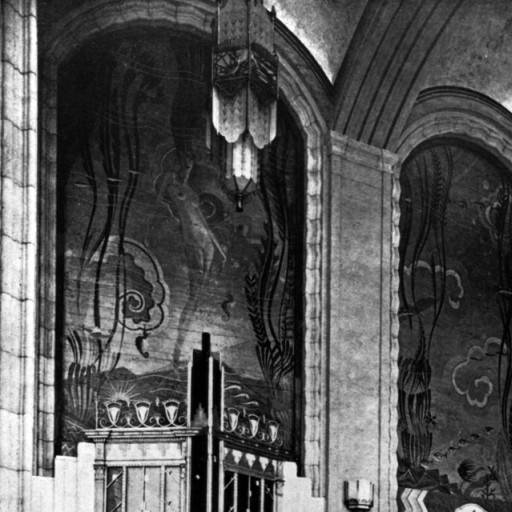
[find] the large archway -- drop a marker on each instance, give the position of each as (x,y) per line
(152,247)
(453,397)
(73,30)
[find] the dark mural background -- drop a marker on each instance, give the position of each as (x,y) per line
(151,251)
(455,422)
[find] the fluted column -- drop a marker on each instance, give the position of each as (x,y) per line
(363,344)
(18,240)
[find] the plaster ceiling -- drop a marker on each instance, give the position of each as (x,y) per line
(477,51)
(474,51)
(325,27)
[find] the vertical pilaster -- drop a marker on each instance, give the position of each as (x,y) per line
(18,240)
(47,243)
(363,345)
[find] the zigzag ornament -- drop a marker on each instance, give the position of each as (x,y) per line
(413,500)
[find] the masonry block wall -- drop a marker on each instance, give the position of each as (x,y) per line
(18,163)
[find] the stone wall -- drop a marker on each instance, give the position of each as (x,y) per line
(362,331)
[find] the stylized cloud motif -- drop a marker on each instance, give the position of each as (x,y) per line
(474,376)
(143,304)
(454,287)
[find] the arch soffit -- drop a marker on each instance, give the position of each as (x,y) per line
(461,113)
(195,16)
(191,16)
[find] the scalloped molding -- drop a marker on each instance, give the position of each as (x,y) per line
(448,111)
(452,123)
(192,16)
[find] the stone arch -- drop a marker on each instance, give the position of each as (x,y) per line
(195,17)
(461,113)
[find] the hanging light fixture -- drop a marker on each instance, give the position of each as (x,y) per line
(245,87)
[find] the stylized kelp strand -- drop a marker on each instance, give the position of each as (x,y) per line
(277,194)
(414,377)
(100,83)
(119,141)
(415,373)
(503,227)
(274,208)
(274,347)
(132,143)
(288,235)
(442,184)
(82,380)
(503,230)
(110,161)
(120,280)
(405,235)
(425,223)
(287,309)
(91,179)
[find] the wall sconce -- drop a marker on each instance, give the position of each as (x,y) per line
(359,494)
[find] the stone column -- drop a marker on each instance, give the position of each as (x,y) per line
(363,344)
(18,240)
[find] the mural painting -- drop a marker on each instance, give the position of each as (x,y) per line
(152,250)
(455,424)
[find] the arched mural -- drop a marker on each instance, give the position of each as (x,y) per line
(455,365)
(152,251)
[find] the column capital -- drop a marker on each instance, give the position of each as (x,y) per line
(363,154)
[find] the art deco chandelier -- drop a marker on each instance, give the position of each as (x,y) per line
(245,87)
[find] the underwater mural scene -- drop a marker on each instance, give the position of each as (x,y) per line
(455,365)
(152,249)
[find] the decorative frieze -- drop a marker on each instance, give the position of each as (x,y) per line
(141,414)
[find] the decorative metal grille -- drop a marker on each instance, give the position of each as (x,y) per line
(145,488)
(141,414)
(114,486)
(253,427)
(244,493)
